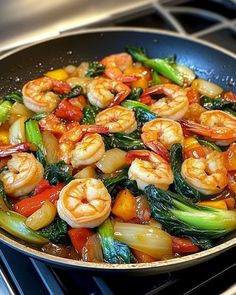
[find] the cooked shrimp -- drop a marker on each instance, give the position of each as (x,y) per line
(207,175)
(161,133)
(38,95)
(117,119)
(88,151)
(217,126)
(23,174)
(100,92)
(74,133)
(116,64)
(149,168)
(84,203)
(174,105)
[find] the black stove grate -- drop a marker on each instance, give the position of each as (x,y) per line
(214,21)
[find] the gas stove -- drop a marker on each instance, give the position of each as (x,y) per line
(214,21)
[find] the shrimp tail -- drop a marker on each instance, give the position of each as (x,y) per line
(138,154)
(221,134)
(95,129)
(120,96)
(124,78)
(159,149)
(7,150)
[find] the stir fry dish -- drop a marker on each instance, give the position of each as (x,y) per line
(129,159)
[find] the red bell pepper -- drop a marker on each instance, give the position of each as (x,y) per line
(147,99)
(68,111)
(79,237)
(183,245)
(29,205)
(41,186)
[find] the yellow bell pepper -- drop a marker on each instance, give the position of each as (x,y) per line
(58,74)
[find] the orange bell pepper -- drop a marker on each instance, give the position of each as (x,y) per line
(217,204)
(124,206)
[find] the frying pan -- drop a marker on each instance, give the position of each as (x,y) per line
(208,61)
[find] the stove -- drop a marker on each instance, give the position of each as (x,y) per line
(214,21)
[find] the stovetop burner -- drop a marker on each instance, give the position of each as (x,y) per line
(213,21)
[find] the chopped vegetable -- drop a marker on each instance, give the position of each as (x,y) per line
(87,172)
(14,224)
(182,218)
(57,172)
(183,245)
(143,257)
(4,202)
(68,111)
(150,240)
(210,144)
(95,69)
(17,131)
(181,186)
(123,141)
(135,93)
(90,113)
(218,103)
(28,206)
(124,206)
(58,74)
(14,97)
(113,250)
(75,91)
(42,217)
(218,204)
(56,232)
(51,147)
(207,88)
(92,250)
(79,237)
(5,108)
(112,160)
(162,66)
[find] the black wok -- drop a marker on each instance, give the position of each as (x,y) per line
(208,61)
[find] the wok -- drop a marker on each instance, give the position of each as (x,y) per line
(208,61)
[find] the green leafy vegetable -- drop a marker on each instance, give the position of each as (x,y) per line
(90,113)
(4,197)
(181,186)
(216,103)
(142,111)
(209,144)
(14,97)
(95,69)
(57,172)
(162,66)
(75,91)
(229,111)
(113,250)
(182,218)
(33,135)
(123,141)
(38,117)
(56,232)
(14,224)
(5,108)
(135,93)
(155,79)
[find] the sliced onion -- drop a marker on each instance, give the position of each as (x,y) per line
(51,146)
(87,172)
(92,250)
(17,131)
(112,160)
(150,240)
(207,88)
(186,73)
(19,110)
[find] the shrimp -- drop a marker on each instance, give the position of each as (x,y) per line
(149,168)
(84,203)
(174,106)
(38,95)
(100,92)
(117,119)
(23,174)
(207,175)
(88,151)
(160,134)
(74,133)
(116,64)
(217,126)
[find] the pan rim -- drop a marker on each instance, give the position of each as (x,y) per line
(120,29)
(158,266)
